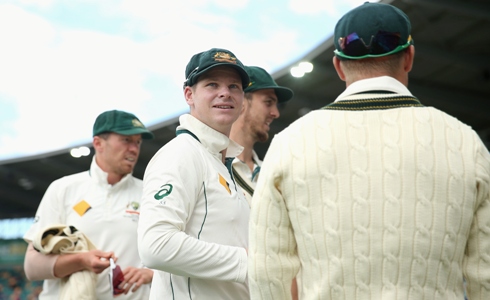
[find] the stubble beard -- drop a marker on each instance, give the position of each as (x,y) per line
(261,136)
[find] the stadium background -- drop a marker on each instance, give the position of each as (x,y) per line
(451,72)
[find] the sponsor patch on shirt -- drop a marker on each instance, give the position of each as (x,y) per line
(132,211)
(224,183)
(81,207)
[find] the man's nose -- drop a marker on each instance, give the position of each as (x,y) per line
(224,91)
(275,112)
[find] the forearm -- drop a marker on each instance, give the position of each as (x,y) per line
(38,266)
(68,264)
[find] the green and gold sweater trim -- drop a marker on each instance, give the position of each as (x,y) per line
(375,103)
(243,183)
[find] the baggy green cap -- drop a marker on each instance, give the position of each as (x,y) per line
(205,61)
(120,122)
(367,21)
(260,79)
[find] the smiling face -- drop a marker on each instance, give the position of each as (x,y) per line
(259,112)
(217,97)
(117,154)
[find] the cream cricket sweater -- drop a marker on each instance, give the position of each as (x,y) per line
(384,202)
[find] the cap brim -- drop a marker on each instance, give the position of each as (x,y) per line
(145,134)
(283,94)
(243,74)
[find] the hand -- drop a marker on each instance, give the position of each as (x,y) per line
(294,289)
(134,278)
(96,260)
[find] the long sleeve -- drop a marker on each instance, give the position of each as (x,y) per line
(272,255)
(477,255)
(50,210)
(175,216)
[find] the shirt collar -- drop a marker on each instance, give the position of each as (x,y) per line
(255,159)
(211,139)
(384,83)
(101,177)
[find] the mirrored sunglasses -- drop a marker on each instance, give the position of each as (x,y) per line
(382,43)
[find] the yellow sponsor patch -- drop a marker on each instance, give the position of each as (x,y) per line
(224,183)
(82,207)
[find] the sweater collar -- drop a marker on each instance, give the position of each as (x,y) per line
(383,83)
(374,102)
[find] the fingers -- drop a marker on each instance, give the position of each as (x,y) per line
(104,255)
(97,265)
(136,286)
(131,276)
(97,260)
(133,279)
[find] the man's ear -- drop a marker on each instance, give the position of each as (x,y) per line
(246,102)
(96,142)
(409,56)
(338,68)
(189,96)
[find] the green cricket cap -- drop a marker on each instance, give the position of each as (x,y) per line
(372,30)
(260,79)
(205,61)
(120,122)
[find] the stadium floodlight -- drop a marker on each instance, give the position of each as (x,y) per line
(302,68)
(307,67)
(80,151)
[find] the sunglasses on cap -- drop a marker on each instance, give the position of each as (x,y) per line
(381,44)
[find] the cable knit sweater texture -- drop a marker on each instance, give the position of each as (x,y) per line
(376,204)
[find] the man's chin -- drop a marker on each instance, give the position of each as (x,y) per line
(128,168)
(263,137)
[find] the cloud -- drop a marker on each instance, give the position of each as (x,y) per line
(315,7)
(37,3)
(61,79)
(65,62)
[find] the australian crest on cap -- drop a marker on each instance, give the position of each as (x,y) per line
(137,123)
(223,56)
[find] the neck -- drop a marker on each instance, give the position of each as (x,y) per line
(247,157)
(113,178)
(245,140)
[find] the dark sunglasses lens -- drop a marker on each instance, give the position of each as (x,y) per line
(353,45)
(356,48)
(385,42)
(351,38)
